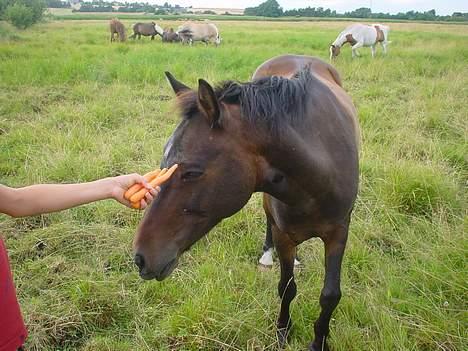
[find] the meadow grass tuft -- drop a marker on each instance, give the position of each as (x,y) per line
(74,107)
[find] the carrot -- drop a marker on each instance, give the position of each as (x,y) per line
(135,187)
(163,176)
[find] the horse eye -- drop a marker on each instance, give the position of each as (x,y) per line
(191,174)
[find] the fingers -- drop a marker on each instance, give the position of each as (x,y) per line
(137,178)
(149,197)
(155,191)
(128,181)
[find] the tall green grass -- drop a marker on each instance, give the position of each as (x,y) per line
(74,107)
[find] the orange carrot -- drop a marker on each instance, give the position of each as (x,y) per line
(135,187)
(163,176)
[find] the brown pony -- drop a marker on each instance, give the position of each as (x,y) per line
(292,134)
(116,26)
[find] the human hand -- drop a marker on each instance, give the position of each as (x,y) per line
(120,185)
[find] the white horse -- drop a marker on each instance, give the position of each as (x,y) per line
(205,32)
(358,35)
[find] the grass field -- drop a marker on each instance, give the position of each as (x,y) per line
(74,108)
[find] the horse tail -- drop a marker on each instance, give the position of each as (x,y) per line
(187,31)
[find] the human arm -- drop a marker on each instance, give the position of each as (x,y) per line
(44,198)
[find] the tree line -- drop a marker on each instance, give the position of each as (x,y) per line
(24,13)
(271,8)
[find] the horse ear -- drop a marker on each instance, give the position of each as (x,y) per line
(208,102)
(177,86)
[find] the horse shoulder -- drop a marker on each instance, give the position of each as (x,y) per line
(330,77)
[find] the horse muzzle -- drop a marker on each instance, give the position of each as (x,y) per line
(159,271)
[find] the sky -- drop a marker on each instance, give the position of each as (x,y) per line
(442,7)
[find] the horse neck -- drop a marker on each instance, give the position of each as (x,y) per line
(158,30)
(284,164)
(340,40)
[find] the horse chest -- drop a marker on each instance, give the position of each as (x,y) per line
(298,221)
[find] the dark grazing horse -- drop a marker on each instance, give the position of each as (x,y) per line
(115,26)
(147,30)
(292,134)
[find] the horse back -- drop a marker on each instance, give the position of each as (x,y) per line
(288,65)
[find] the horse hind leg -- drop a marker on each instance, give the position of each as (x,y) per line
(268,249)
(267,256)
(335,243)
(287,289)
(384,47)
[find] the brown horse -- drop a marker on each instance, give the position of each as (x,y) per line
(291,133)
(115,26)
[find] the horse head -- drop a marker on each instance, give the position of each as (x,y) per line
(334,51)
(215,179)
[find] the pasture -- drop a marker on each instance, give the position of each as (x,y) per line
(74,107)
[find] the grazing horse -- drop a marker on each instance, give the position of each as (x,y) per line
(291,133)
(147,30)
(358,35)
(170,36)
(190,32)
(116,26)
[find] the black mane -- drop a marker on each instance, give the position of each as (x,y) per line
(271,101)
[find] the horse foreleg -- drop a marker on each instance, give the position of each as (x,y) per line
(286,250)
(355,47)
(373,50)
(335,243)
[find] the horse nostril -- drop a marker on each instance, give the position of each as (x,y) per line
(139,261)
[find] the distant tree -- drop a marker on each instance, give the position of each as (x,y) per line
(362,12)
(22,13)
(3,6)
(269,8)
(57,4)
(19,15)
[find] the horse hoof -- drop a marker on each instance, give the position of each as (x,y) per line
(267,258)
(314,347)
(282,336)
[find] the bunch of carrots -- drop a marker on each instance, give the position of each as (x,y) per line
(155,178)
